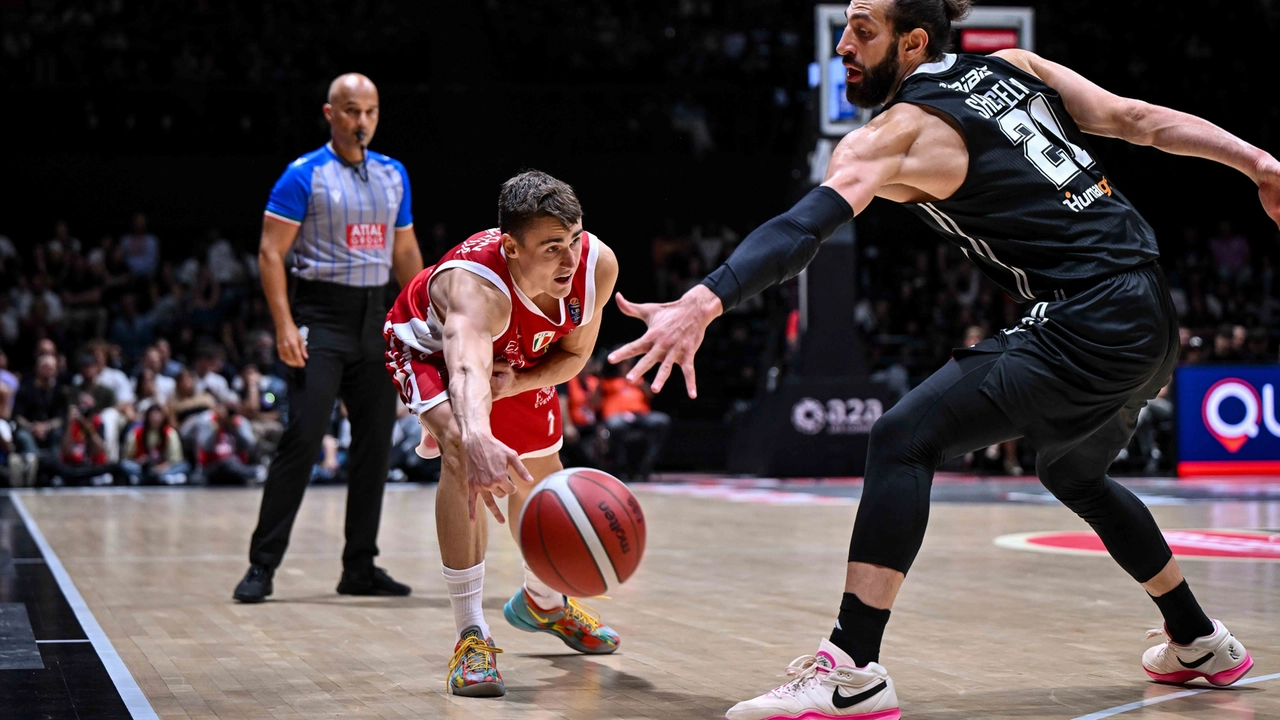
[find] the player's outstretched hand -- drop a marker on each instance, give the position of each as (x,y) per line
(675,331)
(487,463)
(1269,187)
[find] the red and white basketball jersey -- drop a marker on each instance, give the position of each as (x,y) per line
(529,333)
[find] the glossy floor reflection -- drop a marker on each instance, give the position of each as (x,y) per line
(729,592)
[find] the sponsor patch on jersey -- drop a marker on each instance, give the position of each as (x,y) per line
(969,81)
(367,236)
(575,310)
(542,340)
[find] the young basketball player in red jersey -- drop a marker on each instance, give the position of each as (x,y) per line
(476,345)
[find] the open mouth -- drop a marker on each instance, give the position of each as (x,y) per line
(563,280)
(852,74)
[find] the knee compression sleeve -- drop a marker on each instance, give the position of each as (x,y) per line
(1122,522)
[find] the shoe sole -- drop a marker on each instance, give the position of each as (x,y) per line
(1222,679)
(891,714)
(248,599)
(479,690)
(519,623)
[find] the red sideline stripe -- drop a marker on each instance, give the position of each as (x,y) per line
(1228,467)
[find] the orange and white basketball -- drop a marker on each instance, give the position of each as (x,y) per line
(582,532)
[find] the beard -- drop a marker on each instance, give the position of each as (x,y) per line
(876,83)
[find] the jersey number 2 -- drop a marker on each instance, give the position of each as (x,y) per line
(1027,128)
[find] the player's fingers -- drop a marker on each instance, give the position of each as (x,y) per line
(664,372)
(514,463)
(690,378)
(651,358)
(631,349)
(629,308)
(493,507)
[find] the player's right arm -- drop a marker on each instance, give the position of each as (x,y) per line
(1100,112)
(277,238)
(474,311)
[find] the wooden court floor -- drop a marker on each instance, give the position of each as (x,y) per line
(729,593)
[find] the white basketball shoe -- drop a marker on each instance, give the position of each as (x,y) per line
(1218,658)
(826,686)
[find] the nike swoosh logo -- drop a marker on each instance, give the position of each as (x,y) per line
(1196,664)
(844,703)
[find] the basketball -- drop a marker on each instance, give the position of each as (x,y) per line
(582,532)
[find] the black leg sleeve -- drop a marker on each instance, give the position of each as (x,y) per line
(312,391)
(943,418)
(1079,479)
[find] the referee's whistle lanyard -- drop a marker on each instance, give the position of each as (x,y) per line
(362,168)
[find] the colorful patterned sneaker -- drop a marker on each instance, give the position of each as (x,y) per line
(826,686)
(473,669)
(1218,657)
(576,624)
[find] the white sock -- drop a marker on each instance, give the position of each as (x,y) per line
(541,593)
(466,590)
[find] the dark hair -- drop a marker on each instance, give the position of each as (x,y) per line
(932,16)
(531,195)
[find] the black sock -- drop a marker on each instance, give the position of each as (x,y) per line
(1183,617)
(859,630)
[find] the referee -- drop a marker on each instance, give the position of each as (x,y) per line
(334,207)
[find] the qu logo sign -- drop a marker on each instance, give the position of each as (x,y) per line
(1258,411)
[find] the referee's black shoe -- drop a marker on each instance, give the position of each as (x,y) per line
(371,580)
(256,585)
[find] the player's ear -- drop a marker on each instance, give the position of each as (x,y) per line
(327,109)
(914,44)
(510,245)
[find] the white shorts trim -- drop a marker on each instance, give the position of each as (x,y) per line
(419,406)
(545,451)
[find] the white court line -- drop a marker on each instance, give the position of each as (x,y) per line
(61,642)
(1165,698)
(136,702)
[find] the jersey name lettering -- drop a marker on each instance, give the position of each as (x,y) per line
(1004,94)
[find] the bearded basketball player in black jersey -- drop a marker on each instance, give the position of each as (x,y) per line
(990,152)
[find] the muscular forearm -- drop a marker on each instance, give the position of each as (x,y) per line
(467,355)
(1179,133)
(779,249)
(275,286)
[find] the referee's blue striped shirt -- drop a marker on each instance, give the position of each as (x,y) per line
(346,226)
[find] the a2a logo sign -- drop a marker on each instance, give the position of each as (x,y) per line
(837,417)
(1259,411)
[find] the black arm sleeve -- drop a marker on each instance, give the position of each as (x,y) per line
(779,249)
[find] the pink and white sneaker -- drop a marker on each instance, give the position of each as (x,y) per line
(1218,658)
(826,686)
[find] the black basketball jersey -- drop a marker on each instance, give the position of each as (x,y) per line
(1036,211)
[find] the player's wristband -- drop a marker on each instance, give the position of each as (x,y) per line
(779,249)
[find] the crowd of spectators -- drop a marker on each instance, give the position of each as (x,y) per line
(609,422)
(120,365)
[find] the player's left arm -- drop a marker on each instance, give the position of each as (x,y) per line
(406,258)
(572,351)
(1100,112)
